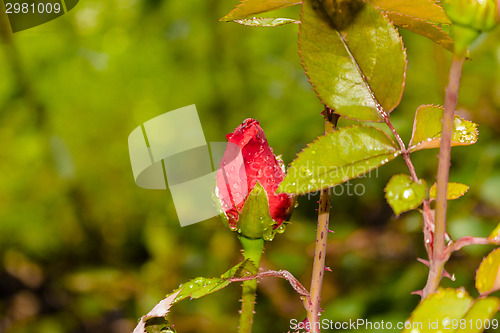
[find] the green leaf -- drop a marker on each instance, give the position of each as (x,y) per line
(156,318)
(202,286)
(255,220)
(479,316)
(427,29)
(423,17)
(403,194)
(336,157)
(427,129)
(248,8)
(438,311)
(243,269)
(266,21)
(426,10)
(454,191)
(355,66)
(159,325)
(487,276)
(495,234)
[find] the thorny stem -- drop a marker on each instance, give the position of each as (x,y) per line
(314,308)
(438,258)
(252,249)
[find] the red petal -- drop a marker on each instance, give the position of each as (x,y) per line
(259,164)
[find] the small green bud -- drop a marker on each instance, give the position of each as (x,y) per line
(470,18)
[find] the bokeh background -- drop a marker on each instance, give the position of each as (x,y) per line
(83,249)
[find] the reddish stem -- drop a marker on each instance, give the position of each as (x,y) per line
(314,308)
(438,259)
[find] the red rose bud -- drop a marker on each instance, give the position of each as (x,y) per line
(248,177)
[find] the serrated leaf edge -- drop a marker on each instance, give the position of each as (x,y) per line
(461,195)
(380,109)
(395,154)
(257,25)
(434,24)
(228,17)
(432,3)
(419,146)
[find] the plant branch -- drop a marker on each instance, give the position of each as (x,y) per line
(404,151)
(439,245)
(469,240)
(296,285)
(428,227)
(314,308)
(24,86)
(252,249)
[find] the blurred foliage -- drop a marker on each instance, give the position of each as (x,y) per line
(83,249)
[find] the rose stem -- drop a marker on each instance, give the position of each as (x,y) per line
(438,259)
(321,239)
(252,249)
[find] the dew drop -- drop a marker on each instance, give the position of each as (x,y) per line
(408,194)
(268,237)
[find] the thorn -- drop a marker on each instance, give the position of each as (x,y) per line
(418,292)
(423,261)
(447,275)
(331,231)
(448,238)
(328,269)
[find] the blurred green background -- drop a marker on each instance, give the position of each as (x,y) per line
(83,249)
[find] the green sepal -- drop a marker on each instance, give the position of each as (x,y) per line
(479,15)
(463,37)
(470,18)
(255,219)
